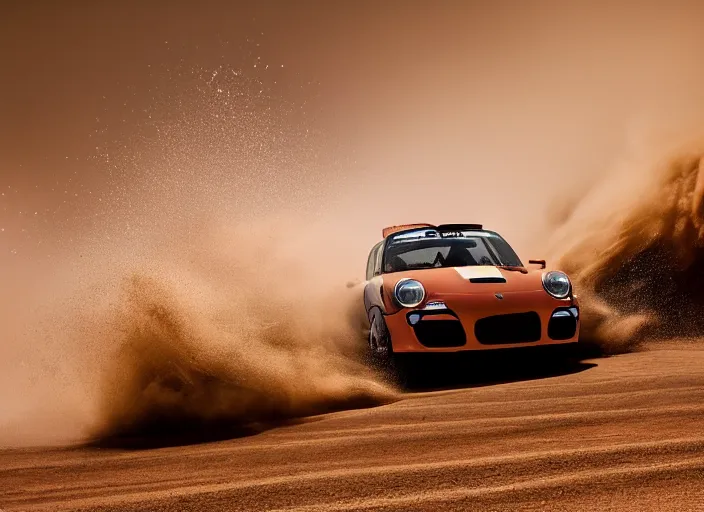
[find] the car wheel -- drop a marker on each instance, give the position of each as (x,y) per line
(401,369)
(379,340)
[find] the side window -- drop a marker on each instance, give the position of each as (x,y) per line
(370,263)
(379,254)
(374,261)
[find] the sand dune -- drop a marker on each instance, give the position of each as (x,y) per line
(620,433)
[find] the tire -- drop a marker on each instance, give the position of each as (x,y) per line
(402,370)
(380,348)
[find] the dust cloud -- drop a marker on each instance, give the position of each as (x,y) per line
(235,358)
(186,318)
(190,274)
(201,299)
(634,248)
(206,343)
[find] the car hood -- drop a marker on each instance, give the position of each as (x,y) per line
(470,280)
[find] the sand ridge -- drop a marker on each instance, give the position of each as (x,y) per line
(619,433)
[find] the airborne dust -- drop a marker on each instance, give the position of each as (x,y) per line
(635,251)
(211,329)
(200,305)
(205,288)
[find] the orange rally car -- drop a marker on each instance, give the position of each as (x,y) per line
(459,287)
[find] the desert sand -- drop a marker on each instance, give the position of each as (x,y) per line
(617,433)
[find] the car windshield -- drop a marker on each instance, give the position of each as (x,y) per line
(429,248)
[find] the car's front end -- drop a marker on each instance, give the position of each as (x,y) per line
(462,288)
(513,309)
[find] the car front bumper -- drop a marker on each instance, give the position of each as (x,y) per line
(459,322)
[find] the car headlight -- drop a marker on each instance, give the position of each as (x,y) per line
(409,293)
(557,284)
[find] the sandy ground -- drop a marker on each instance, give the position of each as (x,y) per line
(620,433)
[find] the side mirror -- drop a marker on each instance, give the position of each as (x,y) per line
(538,262)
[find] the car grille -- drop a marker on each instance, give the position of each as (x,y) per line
(440,333)
(512,328)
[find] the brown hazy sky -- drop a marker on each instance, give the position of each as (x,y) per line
(474,96)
